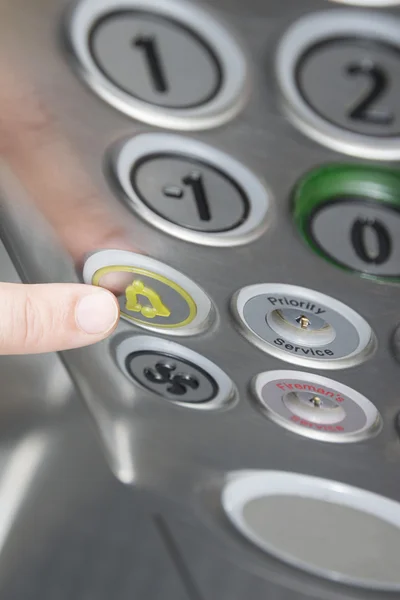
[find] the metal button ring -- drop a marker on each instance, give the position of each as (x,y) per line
(190,189)
(170,64)
(339,75)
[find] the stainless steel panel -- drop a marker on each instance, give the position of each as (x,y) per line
(77,531)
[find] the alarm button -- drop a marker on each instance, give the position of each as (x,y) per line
(150,294)
(350,215)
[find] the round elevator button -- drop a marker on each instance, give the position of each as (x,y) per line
(350,215)
(316,407)
(339,73)
(150,294)
(325,527)
(174,372)
(196,180)
(146,56)
(302,326)
(190,189)
(170,64)
(171,377)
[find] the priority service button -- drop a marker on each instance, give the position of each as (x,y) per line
(150,294)
(303,326)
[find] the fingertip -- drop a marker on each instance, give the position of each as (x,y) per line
(97,313)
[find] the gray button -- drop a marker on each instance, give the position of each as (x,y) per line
(318,408)
(262,314)
(171,377)
(155,59)
(302,326)
(359,234)
(190,193)
(315,406)
(339,75)
(354,84)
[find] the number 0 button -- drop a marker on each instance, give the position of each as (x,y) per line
(350,215)
(339,73)
(166,63)
(190,189)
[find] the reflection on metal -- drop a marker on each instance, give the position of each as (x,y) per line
(125,468)
(16,479)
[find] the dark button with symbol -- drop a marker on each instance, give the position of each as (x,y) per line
(350,215)
(171,377)
(190,193)
(155,59)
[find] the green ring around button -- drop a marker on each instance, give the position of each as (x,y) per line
(324,184)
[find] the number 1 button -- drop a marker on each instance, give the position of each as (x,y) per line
(167,63)
(350,215)
(155,59)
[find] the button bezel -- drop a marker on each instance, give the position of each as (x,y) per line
(125,154)
(319,357)
(315,29)
(205,311)
(241,487)
(276,411)
(236,78)
(328,185)
(226,395)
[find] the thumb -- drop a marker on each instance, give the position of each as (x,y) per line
(52,317)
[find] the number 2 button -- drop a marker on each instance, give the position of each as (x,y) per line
(350,215)
(340,72)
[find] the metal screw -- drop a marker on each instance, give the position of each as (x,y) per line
(303,321)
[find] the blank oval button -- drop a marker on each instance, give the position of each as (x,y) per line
(325,527)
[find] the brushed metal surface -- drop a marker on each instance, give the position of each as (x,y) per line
(77,531)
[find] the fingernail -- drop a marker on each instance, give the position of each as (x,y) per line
(96,313)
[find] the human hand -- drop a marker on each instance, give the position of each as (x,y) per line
(52,317)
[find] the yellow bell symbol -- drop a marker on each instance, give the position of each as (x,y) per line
(156,308)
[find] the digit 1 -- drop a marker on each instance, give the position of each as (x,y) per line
(150,49)
(357,235)
(195,181)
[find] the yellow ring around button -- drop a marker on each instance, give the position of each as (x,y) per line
(138,271)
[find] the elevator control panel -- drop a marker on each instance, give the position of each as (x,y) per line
(308,254)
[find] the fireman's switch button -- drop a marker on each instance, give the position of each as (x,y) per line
(151,294)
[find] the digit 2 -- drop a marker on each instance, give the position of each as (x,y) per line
(384,244)
(149,47)
(379,83)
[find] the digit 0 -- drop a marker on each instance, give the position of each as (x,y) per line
(383,242)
